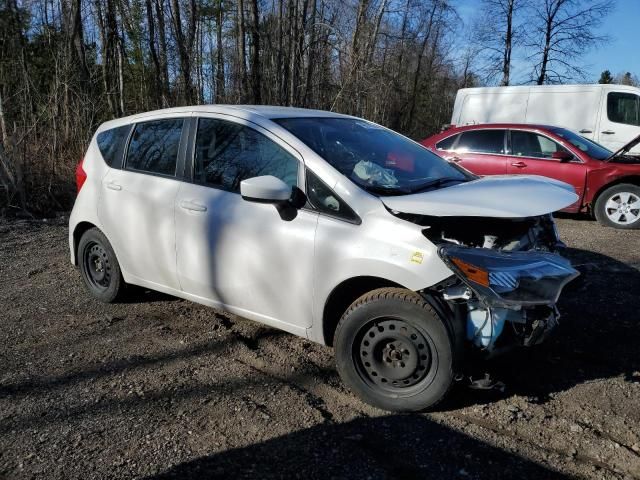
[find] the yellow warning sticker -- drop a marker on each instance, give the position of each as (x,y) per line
(417,257)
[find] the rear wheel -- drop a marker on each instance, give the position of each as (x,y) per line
(619,206)
(394,351)
(99,266)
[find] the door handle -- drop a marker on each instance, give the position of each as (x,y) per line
(114,186)
(585,130)
(454,159)
(608,132)
(519,164)
(192,206)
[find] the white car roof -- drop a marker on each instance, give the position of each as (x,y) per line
(265,111)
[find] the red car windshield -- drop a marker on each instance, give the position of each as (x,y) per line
(591,148)
(376,159)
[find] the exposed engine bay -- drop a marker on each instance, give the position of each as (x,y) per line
(508,234)
(508,276)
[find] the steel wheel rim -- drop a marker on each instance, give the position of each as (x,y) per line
(395,357)
(623,208)
(97,266)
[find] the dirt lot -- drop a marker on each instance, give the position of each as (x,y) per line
(160,387)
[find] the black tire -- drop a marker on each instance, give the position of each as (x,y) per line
(99,266)
(410,350)
(605,207)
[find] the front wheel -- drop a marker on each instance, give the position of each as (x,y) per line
(619,206)
(394,351)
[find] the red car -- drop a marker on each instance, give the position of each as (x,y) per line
(607,183)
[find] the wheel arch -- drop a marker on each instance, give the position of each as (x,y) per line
(631,179)
(78,231)
(343,295)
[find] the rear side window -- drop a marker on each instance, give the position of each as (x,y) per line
(481,141)
(447,143)
(529,144)
(623,108)
(325,200)
(227,153)
(111,144)
(154,146)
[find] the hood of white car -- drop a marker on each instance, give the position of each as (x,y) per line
(501,196)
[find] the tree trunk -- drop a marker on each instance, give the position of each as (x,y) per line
(242,51)
(184,45)
(255,57)
(506,62)
(162,52)
(416,75)
(293,55)
(3,123)
(219,55)
(76,40)
(312,54)
(158,92)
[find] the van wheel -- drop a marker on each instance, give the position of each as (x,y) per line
(394,351)
(619,206)
(99,266)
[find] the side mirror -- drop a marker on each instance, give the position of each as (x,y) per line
(265,189)
(562,155)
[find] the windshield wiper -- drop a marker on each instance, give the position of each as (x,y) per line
(387,190)
(435,184)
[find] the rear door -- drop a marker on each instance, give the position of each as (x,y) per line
(620,121)
(531,154)
(480,151)
(136,207)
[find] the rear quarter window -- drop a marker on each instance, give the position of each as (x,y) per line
(111,144)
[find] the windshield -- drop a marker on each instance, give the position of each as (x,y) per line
(379,160)
(591,148)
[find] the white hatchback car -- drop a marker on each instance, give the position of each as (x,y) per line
(326,226)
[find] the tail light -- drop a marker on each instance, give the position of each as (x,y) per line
(81,175)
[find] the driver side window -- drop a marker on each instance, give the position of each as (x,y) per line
(623,108)
(529,144)
(227,153)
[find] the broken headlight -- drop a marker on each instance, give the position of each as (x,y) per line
(510,278)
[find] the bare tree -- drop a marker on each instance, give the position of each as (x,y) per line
(497,33)
(561,32)
(184,43)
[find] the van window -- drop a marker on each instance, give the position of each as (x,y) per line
(481,141)
(227,153)
(154,146)
(447,143)
(529,144)
(111,144)
(623,108)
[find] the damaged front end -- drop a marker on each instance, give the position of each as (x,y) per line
(508,276)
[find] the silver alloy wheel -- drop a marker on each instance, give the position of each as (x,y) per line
(623,208)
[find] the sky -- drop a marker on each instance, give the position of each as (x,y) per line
(621,54)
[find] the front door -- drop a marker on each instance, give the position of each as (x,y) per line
(620,122)
(532,154)
(236,253)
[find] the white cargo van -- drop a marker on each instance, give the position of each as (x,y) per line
(608,114)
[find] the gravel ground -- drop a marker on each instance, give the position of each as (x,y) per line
(162,388)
